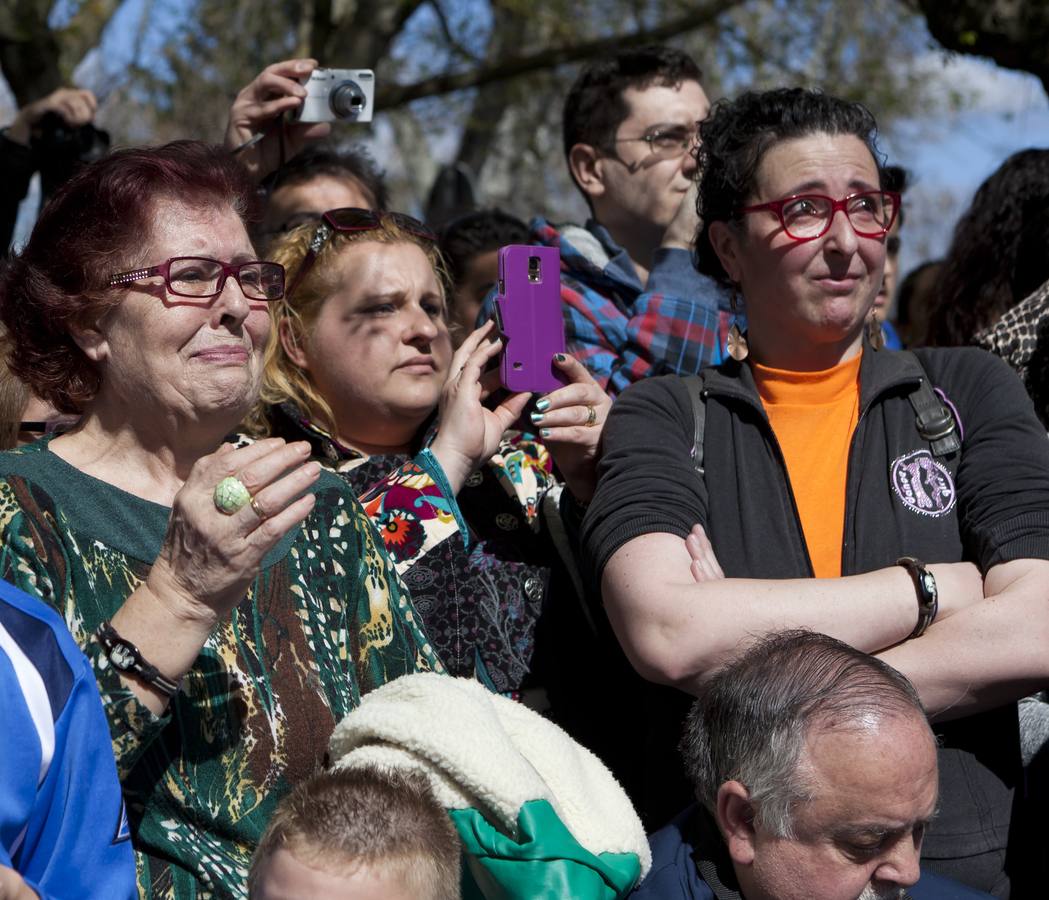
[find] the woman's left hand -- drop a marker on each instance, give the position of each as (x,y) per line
(570,422)
(468,433)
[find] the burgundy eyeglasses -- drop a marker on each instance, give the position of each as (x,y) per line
(805,217)
(201,277)
(352,218)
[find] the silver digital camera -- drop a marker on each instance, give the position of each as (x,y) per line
(338,94)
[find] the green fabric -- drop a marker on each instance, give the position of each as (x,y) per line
(325,621)
(547,861)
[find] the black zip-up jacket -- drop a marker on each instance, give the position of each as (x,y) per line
(988,505)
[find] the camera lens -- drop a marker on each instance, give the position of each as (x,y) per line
(347,100)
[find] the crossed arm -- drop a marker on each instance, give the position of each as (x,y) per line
(678,622)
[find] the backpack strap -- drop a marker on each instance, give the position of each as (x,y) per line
(698,395)
(934,418)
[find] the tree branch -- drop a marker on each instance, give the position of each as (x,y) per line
(446,31)
(1014,33)
(397,95)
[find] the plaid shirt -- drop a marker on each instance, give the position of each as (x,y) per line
(678,323)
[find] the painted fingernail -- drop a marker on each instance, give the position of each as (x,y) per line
(544,432)
(560,357)
(542,405)
(537,417)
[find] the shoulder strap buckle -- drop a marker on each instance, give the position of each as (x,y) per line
(698,395)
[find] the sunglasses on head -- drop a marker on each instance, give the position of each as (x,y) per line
(349,219)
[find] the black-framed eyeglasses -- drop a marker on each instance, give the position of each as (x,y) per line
(667,141)
(352,218)
(55,425)
(805,217)
(201,277)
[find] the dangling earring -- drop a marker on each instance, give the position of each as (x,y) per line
(875,335)
(737,340)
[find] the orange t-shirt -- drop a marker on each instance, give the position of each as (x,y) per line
(813,415)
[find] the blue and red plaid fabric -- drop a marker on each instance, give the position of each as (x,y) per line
(623,333)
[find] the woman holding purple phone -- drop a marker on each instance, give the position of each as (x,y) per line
(361,365)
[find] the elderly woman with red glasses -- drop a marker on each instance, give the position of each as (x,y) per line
(361,365)
(897,502)
(234,600)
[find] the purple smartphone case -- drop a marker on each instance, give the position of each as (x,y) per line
(529,310)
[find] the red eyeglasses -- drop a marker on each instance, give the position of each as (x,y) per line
(351,218)
(805,217)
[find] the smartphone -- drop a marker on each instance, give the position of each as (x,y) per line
(528,312)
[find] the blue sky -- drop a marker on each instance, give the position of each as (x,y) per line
(949,155)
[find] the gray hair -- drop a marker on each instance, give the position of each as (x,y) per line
(751,718)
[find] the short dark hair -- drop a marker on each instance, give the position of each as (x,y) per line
(347,819)
(895,178)
(751,718)
(475,233)
(738,133)
(322,159)
(595,108)
(96,224)
(998,254)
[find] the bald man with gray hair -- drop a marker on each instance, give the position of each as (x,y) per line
(816,775)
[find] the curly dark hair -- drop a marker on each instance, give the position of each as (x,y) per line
(475,233)
(737,135)
(998,253)
(99,222)
(595,108)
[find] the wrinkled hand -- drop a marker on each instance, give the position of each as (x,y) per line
(704,566)
(468,433)
(256,108)
(76,107)
(681,232)
(562,416)
(13,887)
(209,559)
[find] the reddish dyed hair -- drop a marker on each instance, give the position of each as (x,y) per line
(99,223)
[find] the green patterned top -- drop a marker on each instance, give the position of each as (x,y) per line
(325,621)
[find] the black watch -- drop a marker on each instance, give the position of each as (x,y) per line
(928,597)
(125,657)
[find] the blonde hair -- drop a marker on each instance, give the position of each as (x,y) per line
(348,819)
(282,378)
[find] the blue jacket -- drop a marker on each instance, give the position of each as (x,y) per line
(63,825)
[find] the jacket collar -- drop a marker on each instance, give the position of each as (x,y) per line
(880,371)
(289,421)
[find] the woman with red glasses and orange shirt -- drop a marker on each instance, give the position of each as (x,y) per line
(815,499)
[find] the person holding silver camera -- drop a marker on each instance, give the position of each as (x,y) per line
(303,175)
(310,96)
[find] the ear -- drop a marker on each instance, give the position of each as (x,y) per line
(289,340)
(735,815)
(726,242)
(587,166)
(91,340)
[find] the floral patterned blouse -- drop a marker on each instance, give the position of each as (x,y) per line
(481,588)
(325,621)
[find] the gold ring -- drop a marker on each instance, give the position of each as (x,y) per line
(255,508)
(591,417)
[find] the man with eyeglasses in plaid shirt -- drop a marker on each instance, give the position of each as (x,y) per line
(633,303)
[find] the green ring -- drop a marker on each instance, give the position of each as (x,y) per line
(231,495)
